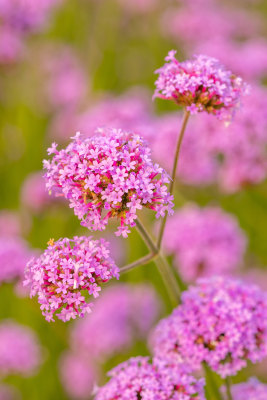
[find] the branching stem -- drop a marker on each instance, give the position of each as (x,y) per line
(173,175)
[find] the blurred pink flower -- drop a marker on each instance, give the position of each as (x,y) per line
(231,156)
(130,111)
(11,45)
(205,242)
(20,351)
(122,315)
(233,54)
(34,195)
(77,376)
(10,224)
(65,79)
(26,15)
(253,389)
(195,23)
(14,255)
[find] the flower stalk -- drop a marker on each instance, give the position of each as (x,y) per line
(173,175)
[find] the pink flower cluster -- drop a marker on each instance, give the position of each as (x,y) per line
(251,390)
(204,242)
(139,379)
(222,322)
(232,156)
(121,315)
(14,255)
(106,176)
(20,352)
(201,84)
(67,271)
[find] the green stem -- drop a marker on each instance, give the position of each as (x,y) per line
(211,383)
(164,268)
(228,388)
(141,261)
(173,175)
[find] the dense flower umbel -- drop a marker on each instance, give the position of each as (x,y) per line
(251,390)
(66,269)
(20,352)
(222,322)
(204,241)
(108,175)
(201,84)
(138,379)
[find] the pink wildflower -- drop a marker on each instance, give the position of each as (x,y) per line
(138,379)
(20,352)
(65,270)
(250,390)
(204,242)
(121,315)
(106,176)
(14,254)
(34,195)
(77,376)
(203,83)
(222,322)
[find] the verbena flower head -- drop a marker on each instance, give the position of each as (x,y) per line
(222,322)
(201,84)
(250,390)
(20,352)
(122,315)
(66,273)
(138,379)
(204,241)
(110,175)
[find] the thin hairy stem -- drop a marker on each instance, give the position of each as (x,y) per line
(141,261)
(228,388)
(146,237)
(164,268)
(173,175)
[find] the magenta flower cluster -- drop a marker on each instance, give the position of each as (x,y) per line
(250,390)
(221,321)
(140,379)
(201,84)
(67,273)
(20,351)
(106,176)
(204,241)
